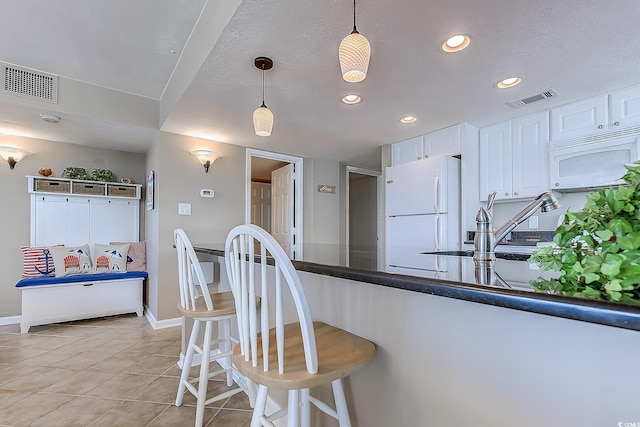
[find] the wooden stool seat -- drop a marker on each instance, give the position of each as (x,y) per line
(340,353)
(223,302)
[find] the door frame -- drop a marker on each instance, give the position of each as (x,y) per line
(378,175)
(297,203)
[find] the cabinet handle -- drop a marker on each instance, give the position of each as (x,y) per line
(515,194)
(557,184)
(506,194)
(616,123)
(600,126)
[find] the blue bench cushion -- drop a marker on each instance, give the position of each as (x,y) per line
(50,280)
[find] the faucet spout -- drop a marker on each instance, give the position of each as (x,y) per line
(545,202)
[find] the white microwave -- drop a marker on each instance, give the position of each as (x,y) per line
(591,165)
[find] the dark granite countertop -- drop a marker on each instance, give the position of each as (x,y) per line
(506,285)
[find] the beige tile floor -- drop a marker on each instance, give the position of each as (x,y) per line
(111,371)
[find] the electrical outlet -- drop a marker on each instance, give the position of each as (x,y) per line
(184,208)
(533,222)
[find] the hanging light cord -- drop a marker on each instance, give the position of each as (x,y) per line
(263,87)
(354,18)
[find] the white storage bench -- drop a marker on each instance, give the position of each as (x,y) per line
(83,296)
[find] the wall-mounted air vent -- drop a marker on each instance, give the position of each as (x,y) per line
(533,98)
(29,83)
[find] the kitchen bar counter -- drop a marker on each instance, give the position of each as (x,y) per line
(460,281)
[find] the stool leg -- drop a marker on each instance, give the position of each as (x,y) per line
(204,374)
(305,408)
(293,407)
(341,403)
(261,403)
(186,363)
(226,346)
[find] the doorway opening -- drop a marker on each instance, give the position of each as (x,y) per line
(274,197)
(363,222)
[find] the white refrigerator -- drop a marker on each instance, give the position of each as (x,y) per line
(422,209)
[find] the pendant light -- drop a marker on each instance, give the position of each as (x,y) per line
(263,117)
(354,53)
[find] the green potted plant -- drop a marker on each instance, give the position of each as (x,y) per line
(598,247)
(104,175)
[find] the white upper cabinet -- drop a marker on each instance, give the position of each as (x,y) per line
(495,161)
(514,158)
(407,151)
(443,142)
(596,115)
(580,118)
(625,107)
(530,139)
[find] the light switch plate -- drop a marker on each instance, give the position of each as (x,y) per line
(184,208)
(533,222)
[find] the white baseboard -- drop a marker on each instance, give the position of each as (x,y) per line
(10,320)
(161,324)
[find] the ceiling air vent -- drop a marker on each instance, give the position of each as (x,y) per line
(528,100)
(29,83)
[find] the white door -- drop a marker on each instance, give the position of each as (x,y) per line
(261,205)
(282,207)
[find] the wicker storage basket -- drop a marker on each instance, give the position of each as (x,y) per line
(85,188)
(121,191)
(50,186)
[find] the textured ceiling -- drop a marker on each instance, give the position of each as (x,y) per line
(209,87)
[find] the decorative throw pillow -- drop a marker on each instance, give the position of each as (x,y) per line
(110,258)
(70,260)
(137,257)
(37,262)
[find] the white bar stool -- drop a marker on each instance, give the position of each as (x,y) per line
(211,309)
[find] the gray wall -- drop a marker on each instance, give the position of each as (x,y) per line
(15,206)
(179,178)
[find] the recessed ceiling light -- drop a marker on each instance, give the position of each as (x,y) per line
(408,119)
(509,82)
(456,43)
(50,118)
(351,99)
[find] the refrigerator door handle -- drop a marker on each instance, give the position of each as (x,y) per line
(437,233)
(436,194)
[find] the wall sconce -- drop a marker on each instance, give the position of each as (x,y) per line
(12,155)
(206,157)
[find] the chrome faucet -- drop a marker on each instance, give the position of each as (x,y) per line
(487,238)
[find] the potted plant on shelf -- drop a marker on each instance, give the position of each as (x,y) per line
(104,175)
(598,247)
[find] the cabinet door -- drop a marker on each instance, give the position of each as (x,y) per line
(443,142)
(580,118)
(530,167)
(495,161)
(59,220)
(113,220)
(407,151)
(625,108)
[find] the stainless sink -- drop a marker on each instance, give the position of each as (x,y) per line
(512,256)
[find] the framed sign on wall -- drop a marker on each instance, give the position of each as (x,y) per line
(150,179)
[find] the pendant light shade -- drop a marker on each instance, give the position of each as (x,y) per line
(263,121)
(263,117)
(354,54)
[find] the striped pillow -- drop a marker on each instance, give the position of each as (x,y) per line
(37,262)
